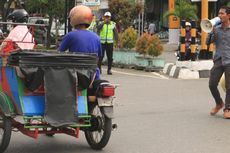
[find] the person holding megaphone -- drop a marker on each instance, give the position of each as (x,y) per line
(220,35)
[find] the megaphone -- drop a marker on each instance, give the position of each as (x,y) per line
(207,25)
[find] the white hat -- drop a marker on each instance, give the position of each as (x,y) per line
(188,24)
(107,14)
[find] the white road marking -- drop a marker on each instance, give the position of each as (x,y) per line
(156,75)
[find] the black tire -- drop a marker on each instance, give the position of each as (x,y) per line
(5,132)
(51,134)
(98,138)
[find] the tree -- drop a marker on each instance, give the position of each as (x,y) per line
(54,9)
(124,12)
(228,4)
(184,10)
(5,9)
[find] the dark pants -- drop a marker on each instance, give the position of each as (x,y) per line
(188,54)
(108,47)
(216,72)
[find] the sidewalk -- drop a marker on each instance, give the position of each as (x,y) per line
(168,53)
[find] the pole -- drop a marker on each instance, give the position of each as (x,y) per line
(204,15)
(143,15)
(69,26)
(65,17)
(25,24)
(193,41)
(139,24)
(142,22)
(171,7)
(173,23)
(182,41)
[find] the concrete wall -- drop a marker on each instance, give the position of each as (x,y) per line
(174,36)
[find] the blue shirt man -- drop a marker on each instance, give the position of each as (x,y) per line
(81,41)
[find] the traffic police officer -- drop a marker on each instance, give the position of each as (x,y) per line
(107,32)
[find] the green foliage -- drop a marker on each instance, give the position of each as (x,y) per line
(129,38)
(142,44)
(5,10)
(184,10)
(52,8)
(124,12)
(155,48)
(149,45)
(228,4)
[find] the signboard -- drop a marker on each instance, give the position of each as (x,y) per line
(91,2)
(200,0)
(94,8)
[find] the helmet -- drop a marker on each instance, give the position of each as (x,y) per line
(188,24)
(107,14)
(80,15)
(19,15)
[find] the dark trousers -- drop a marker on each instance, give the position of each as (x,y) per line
(108,47)
(216,72)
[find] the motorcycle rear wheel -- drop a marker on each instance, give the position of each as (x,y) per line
(98,136)
(5,132)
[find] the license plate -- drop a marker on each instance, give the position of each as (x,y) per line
(108,101)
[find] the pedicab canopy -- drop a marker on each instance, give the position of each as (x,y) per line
(62,74)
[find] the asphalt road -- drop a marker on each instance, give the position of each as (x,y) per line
(155,114)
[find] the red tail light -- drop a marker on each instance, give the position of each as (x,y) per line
(108,91)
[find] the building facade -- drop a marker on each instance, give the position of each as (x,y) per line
(155,10)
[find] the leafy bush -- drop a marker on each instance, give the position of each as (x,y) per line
(129,38)
(124,12)
(149,45)
(142,44)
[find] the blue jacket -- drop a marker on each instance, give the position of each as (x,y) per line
(82,41)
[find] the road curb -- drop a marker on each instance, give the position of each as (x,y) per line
(188,69)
